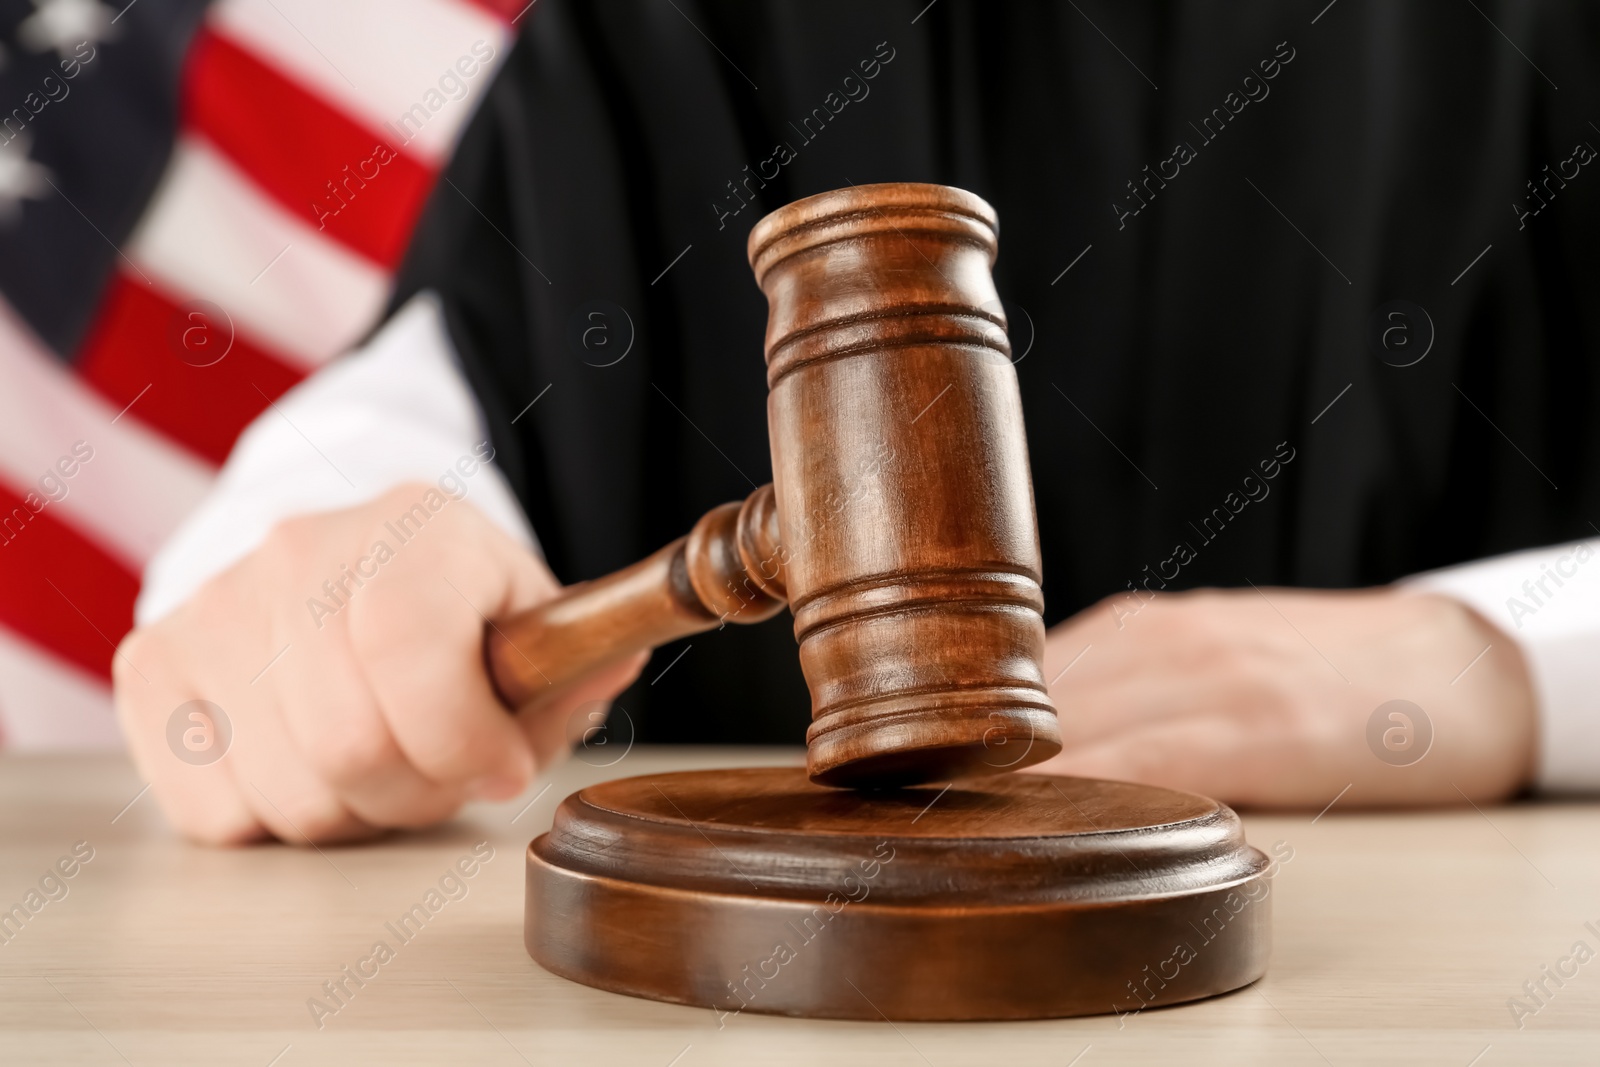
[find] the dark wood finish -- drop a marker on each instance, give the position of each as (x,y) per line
(900,529)
(1010,897)
(724,570)
(900,523)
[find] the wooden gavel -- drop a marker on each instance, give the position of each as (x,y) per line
(899,525)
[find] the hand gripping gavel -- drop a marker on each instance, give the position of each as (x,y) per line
(899,525)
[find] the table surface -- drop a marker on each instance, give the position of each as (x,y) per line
(1398,938)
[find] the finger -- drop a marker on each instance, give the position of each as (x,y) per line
(1094,709)
(1235,759)
(282,790)
(338,729)
(417,629)
(195,791)
(330,713)
(234,636)
(268,772)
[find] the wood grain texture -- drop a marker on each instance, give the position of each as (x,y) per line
(1012,897)
(1397,939)
(721,571)
(900,521)
(905,503)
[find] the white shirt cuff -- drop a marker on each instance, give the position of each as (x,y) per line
(1547,600)
(393,411)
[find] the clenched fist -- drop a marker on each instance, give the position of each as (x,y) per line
(346,654)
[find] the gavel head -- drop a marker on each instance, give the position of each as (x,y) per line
(908,542)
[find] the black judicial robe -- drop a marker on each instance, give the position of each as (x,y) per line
(1305,299)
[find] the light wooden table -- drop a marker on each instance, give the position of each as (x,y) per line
(1399,939)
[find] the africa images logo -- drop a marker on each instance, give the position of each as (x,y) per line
(198,732)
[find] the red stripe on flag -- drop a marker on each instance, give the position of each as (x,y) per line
(59,589)
(141,338)
(505,9)
(341,177)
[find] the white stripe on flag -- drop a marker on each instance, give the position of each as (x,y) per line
(137,487)
(374,62)
(210,232)
(47,703)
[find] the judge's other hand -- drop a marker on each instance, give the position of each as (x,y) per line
(352,707)
(1268,698)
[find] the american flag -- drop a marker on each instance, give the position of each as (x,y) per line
(199,206)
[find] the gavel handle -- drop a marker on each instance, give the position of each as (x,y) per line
(727,569)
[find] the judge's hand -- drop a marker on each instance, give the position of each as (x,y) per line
(1264,698)
(373,710)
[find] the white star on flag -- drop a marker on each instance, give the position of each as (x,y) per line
(20,178)
(65,24)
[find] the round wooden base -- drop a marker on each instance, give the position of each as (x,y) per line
(1016,897)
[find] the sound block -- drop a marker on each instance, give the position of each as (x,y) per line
(1021,896)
